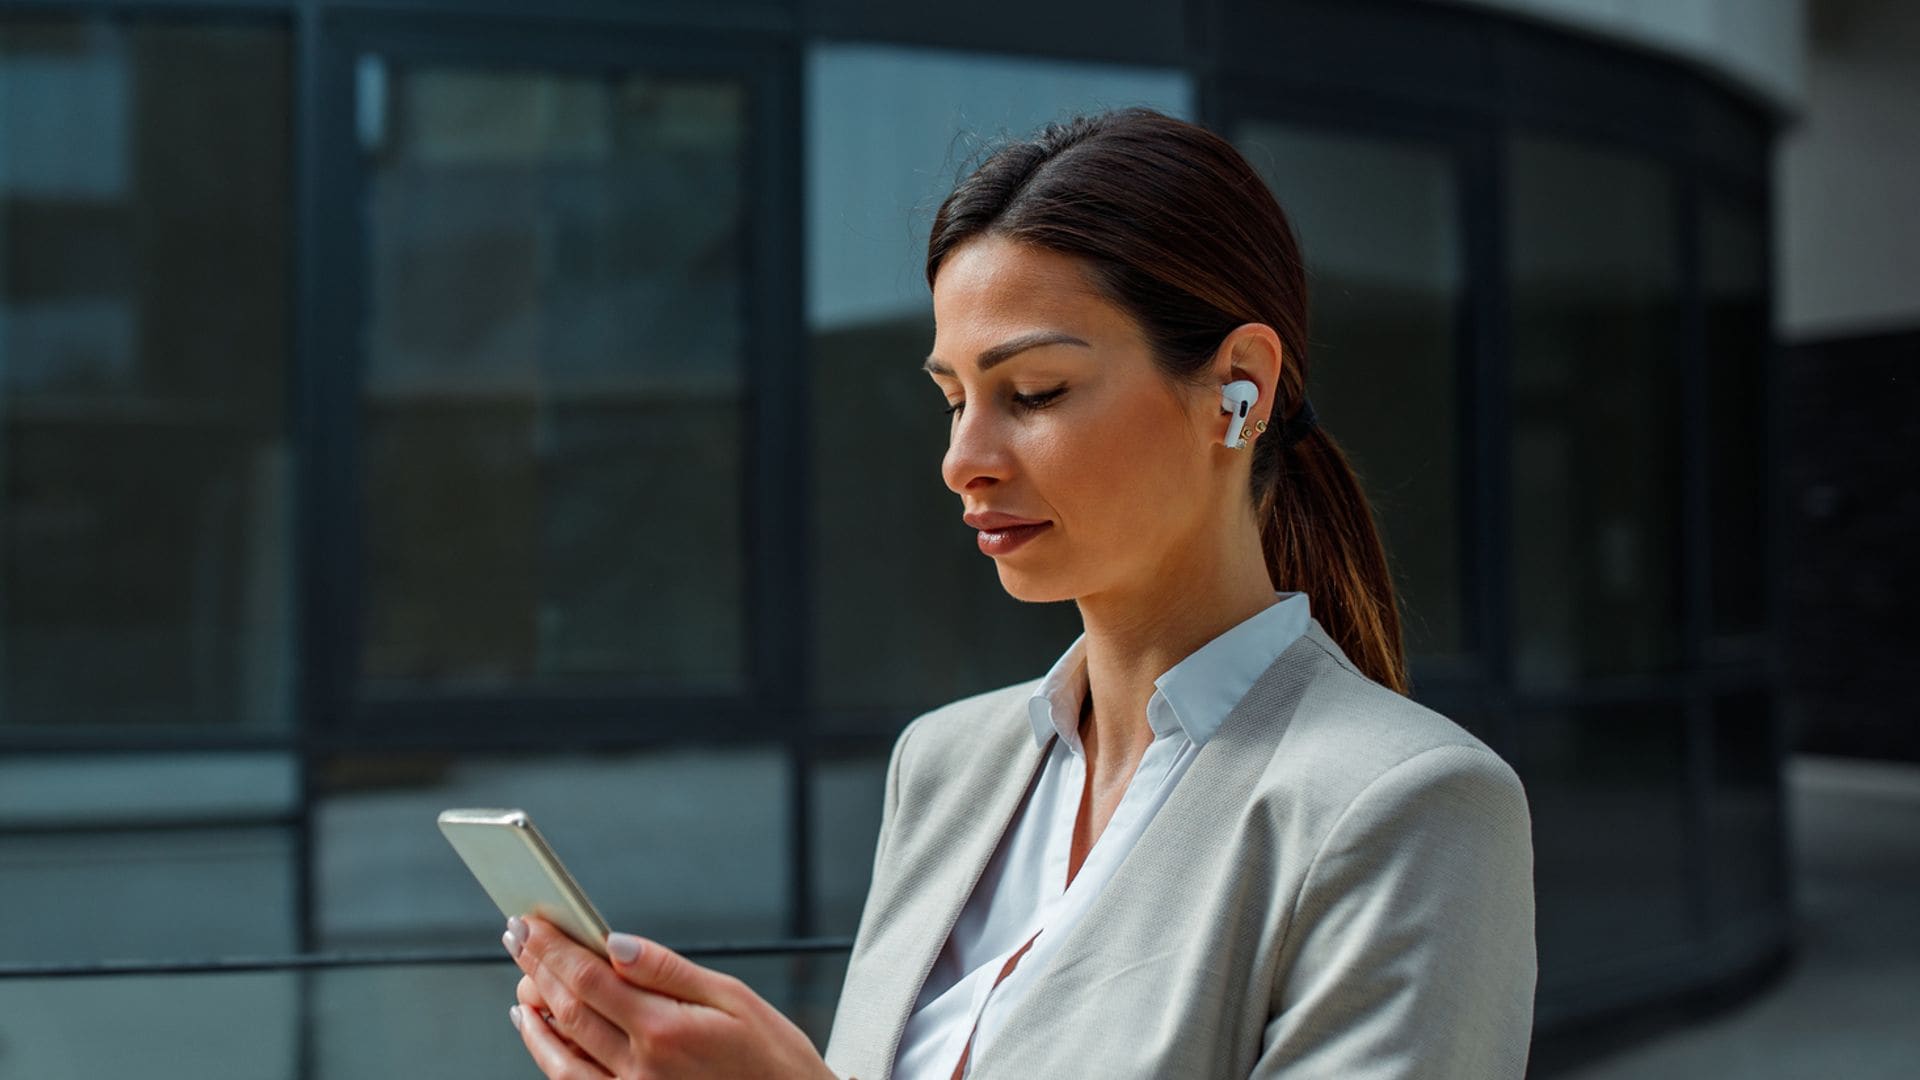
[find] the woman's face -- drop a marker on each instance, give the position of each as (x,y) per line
(1082,433)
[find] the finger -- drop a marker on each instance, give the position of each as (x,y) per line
(573,1019)
(528,994)
(550,1053)
(526,991)
(652,966)
(581,994)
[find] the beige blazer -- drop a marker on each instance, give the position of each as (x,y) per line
(1341,886)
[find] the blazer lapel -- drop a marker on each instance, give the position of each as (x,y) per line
(1215,788)
(934,884)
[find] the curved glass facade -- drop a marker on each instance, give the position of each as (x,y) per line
(414,402)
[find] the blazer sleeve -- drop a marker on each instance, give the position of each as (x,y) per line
(890,805)
(1411,949)
(888,808)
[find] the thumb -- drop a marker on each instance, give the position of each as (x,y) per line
(652,966)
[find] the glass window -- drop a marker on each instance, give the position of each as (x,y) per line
(1595,414)
(164,1027)
(143,353)
(1607,787)
(553,438)
(345,1023)
(849,793)
(1379,225)
(1746,810)
(908,613)
(138,892)
(359,1031)
(115,857)
(687,845)
(1734,269)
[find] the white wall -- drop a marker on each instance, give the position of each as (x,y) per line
(1846,214)
(1757,43)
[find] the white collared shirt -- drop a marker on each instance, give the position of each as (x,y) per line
(1023,893)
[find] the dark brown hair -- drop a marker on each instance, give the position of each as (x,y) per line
(1178,230)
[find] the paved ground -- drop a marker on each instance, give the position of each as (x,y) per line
(1849,1005)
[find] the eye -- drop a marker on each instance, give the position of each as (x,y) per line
(1027,402)
(1038,401)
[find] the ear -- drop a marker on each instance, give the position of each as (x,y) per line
(1252,351)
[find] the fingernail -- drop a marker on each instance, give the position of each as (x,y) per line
(513,1014)
(623,947)
(513,946)
(517,930)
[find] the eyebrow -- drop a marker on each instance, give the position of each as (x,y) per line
(1006,350)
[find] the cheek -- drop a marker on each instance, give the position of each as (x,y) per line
(1116,475)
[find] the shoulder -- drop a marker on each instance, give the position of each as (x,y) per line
(956,731)
(1352,741)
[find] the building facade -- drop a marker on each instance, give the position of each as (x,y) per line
(417,403)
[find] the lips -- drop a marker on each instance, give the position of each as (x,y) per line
(993,521)
(1008,533)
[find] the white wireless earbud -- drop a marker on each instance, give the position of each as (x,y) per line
(1236,398)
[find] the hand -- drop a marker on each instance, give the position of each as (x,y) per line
(650,1012)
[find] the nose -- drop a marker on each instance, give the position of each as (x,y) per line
(977,452)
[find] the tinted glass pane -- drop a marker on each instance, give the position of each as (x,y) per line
(455,1024)
(1607,790)
(1746,813)
(115,857)
(146,893)
(50,791)
(143,338)
(413,1020)
(164,1027)
(849,793)
(688,845)
(1378,221)
(1735,287)
(1595,413)
(909,613)
(552,414)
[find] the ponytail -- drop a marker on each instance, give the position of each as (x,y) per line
(1319,538)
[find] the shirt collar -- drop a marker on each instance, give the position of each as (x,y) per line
(1194,695)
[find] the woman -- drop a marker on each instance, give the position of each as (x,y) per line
(1215,839)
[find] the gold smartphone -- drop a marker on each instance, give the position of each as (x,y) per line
(521,873)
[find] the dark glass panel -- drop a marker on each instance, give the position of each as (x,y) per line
(1378,222)
(1607,786)
(1746,812)
(144,542)
(680,845)
(908,613)
(1735,289)
(1595,411)
(553,433)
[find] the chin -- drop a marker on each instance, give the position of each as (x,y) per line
(1034,588)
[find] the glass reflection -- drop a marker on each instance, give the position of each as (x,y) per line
(143,326)
(1379,224)
(1733,282)
(1595,406)
(685,844)
(910,615)
(1608,791)
(553,443)
(344,1023)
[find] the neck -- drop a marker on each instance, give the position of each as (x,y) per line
(1135,634)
